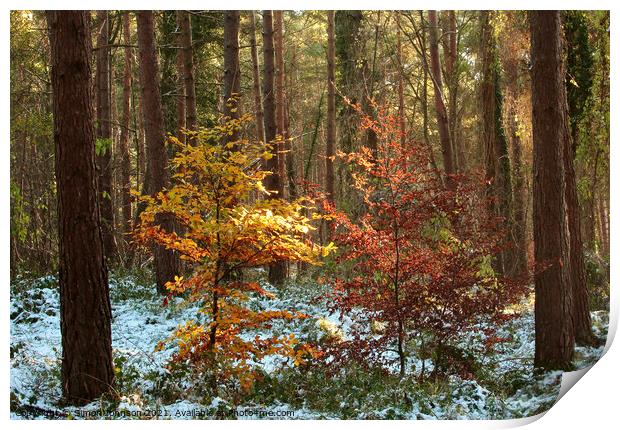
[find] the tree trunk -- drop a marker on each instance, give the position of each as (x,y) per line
(181,96)
(157,177)
(553,308)
(258,101)
(87,370)
(124,137)
(273,182)
(104,135)
(185,26)
(232,72)
(331,108)
(440,106)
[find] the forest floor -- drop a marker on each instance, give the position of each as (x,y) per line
(506,386)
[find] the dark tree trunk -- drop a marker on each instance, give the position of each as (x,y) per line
(185,25)
(232,72)
(554,305)
(87,370)
(440,106)
(124,137)
(258,101)
(157,177)
(104,134)
(330,144)
(273,182)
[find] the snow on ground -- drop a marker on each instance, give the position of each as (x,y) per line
(139,322)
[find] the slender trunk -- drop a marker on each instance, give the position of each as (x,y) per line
(401,87)
(554,304)
(273,182)
(104,135)
(279,58)
(181,96)
(258,101)
(157,177)
(440,107)
(331,108)
(85,322)
(124,137)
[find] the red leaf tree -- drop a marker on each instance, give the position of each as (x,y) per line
(419,262)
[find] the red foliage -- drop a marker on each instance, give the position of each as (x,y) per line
(419,261)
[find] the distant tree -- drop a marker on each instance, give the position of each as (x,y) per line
(125,177)
(232,71)
(185,27)
(85,313)
(330,144)
(157,176)
(256,90)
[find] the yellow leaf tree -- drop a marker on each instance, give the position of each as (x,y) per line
(223,230)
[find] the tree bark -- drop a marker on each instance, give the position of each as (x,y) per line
(232,72)
(554,305)
(87,370)
(440,106)
(258,101)
(181,97)
(157,177)
(104,134)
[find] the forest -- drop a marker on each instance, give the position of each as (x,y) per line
(308,214)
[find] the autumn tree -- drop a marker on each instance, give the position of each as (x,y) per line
(87,370)
(157,176)
(554,299)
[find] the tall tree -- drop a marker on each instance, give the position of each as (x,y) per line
(104,133)
(401,85)
(497,159)
(273,182)
(232,72)
(440,105)
(331,107)
(125,126)
(258,100)
(87,370)
(181,115)
(157,176)
(553,307)
(185,26)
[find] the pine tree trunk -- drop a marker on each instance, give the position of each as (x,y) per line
(104,134)
(258,101)
(185,25)
(330,143)
(87,370)
(157,177)
(280,123)
(401,87)
(181,96)
(554,305)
